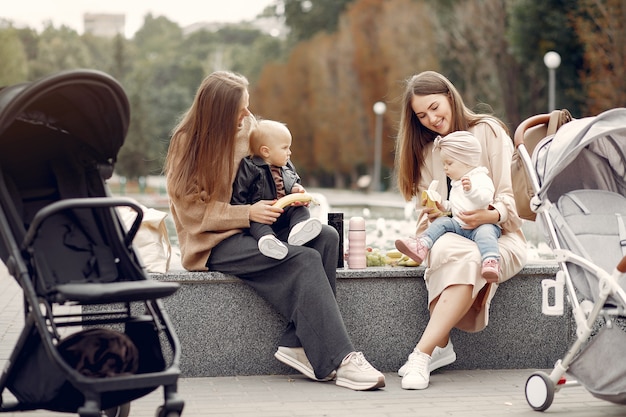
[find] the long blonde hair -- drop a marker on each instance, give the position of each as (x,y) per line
(413,136)
(201,152)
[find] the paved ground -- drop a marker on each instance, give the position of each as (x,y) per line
(452,393)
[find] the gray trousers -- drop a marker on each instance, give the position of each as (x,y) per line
(301,287)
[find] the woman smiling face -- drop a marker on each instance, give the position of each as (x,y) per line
(434,112)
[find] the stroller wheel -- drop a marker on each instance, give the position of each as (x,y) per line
(119,411)
(539,391)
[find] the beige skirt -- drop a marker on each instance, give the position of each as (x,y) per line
(455,260)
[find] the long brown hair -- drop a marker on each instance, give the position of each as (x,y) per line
(201,152)
(413,136)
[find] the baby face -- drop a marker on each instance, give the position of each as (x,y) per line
(454,168)
(279,148)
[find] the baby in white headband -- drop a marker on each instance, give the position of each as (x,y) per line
(471,189)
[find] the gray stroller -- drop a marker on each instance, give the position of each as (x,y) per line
(579,180)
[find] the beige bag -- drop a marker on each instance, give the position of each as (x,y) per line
(529,133)
(151,242)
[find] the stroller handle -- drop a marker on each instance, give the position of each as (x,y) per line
(540,119)
(92,202)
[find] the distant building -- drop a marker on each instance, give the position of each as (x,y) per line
(105,25)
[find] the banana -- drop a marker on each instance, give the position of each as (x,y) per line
(432,197)
(289,199)
(394,253)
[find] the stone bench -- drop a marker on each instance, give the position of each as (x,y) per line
(225,328)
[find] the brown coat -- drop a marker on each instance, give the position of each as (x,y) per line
(202,224)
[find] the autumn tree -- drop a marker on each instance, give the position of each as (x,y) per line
(331,82)
(406,48)
(601,26)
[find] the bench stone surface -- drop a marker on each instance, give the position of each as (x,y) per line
(226,329)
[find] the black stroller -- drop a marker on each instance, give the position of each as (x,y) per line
(62,240)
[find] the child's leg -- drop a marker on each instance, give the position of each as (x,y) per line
(296,214)
(486,238)
(303,228)
(268,243)
(258,230)
(438,228)
(417,249)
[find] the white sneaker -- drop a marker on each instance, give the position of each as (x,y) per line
(304,232)
(416,375)
(356,373)
(442,356)
(271,247)
(296,358)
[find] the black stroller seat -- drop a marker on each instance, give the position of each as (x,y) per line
(63,241)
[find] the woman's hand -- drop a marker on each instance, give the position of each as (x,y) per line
(263,212)
(475,218)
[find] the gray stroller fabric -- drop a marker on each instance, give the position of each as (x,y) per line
(600,367)
(588,223)
(583,154)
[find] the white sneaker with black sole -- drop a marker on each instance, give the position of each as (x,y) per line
(304,232)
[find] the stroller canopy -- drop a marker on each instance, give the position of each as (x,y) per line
(587,153)
(86,104)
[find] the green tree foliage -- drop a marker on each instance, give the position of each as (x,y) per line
(538,27)
(475,55)
(29,39)
(157,37)
(250,58)
(14,66)
(340,58)
(305,18)
(59,49)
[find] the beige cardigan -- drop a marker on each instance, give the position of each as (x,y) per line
(455,256)
(202,224)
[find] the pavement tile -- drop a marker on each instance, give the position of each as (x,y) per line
(458,393)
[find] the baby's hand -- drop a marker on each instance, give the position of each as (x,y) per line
(299,189)
(466,183)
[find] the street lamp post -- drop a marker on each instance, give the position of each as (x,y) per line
(379,110)
(552,60)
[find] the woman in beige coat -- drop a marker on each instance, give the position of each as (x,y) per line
(458,297)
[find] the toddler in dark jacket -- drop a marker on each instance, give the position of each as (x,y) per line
(268,174)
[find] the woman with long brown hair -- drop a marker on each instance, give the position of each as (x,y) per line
(458,296)
(206,148)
